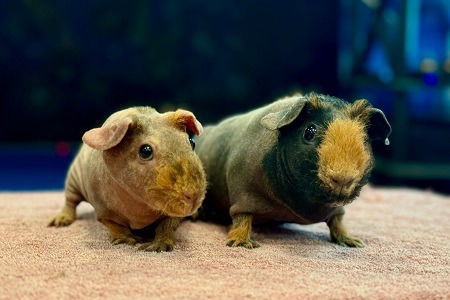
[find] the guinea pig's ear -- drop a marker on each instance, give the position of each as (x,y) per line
(186,120)
(378,127)
(276,120)
(108,136)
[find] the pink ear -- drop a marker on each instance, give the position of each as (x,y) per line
(187,120)
(108,136)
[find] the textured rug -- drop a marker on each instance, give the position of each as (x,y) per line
(407,255)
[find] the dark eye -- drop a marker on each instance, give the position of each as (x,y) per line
(192,142)
(146,152)
(310,132)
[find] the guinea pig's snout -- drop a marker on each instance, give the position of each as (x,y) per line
(189,196)
(341,181)
(339,184)
(189,202)
(186,207)
(192,198)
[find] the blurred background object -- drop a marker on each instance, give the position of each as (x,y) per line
(397,54)
(66,65)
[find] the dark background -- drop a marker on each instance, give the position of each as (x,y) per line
(66,65)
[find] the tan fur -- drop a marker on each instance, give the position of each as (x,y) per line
(66,217)
(184,120)
(239,234)
(343,153)
(127,191)
(173,181)
(175,171)
(173,118)
(339,235)
(68,214)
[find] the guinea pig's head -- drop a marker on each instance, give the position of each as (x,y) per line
(324,146)
(151,155)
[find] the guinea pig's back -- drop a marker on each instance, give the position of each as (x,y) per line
(233,140)
(218,143)
(231,153)
(82,176)
(212,149)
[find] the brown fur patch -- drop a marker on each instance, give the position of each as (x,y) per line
(359,110)
(343,152)
(239,234)
(315,101)
(173,181)
(178,121)
(241,228)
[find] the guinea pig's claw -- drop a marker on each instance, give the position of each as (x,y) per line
(349,241)
(61,220)
(249,244)
(157,246)
(124,240)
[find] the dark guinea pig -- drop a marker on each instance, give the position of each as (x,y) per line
(299,159)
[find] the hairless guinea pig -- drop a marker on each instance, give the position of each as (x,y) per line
(299,159)
(139,168)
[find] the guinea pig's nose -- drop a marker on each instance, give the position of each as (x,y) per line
(342,181)
(189,196)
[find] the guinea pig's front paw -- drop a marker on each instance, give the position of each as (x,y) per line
(249,244)
(158,246)
(349,241)
(124,240)
(62,219)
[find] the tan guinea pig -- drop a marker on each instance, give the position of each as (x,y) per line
(138,169)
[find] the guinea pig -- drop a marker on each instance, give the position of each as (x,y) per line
(138,169)
(300,159)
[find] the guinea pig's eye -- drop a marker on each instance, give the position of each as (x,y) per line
(310,132)
(146,152)
(192,142)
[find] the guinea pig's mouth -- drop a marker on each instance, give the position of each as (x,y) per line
(333,198)
(338,189)
(336,197)
(183,206)
(340,203)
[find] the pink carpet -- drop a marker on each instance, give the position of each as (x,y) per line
(407,257)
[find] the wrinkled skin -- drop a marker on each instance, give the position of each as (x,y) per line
(130,191)
(261,168)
